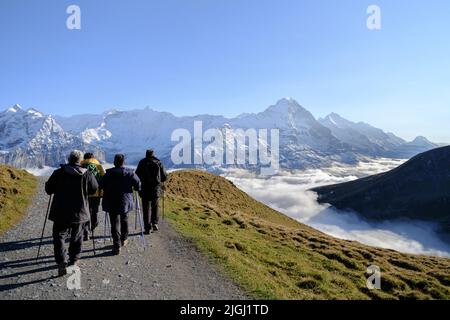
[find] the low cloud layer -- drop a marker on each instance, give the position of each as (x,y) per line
(41,172)
(287,193)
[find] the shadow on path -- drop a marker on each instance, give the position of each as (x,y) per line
(23,244)
(14,270)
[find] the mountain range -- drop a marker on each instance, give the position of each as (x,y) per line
(28,138)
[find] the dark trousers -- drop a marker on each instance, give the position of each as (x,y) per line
(119,228)
(150,210)
(94,205)
(60,233)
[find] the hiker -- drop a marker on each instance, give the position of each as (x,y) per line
(71,186)
(118,184)
(152,174)
(94,166)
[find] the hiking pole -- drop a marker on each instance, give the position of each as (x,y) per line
(138,209)
(107,226)
(43,229)
(164,201)
(93,240)
(136,213)
(104,229)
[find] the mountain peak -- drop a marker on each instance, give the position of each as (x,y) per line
(336,120)
(111,112)
(15,108)
(35,112)
(421,139)
(287,101)
(286,105)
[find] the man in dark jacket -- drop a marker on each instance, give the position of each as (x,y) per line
(71,186)
(152,174)
(118,184)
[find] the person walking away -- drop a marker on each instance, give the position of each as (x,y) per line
(118,184)
(94,166)
(152,174)
(70,186)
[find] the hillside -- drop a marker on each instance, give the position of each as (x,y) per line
(16,189)
(274,257)
(418,189)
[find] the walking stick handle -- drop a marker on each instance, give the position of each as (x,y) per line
(45,223)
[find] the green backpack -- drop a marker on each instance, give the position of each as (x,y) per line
(94,170)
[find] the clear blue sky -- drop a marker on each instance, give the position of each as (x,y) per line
(232,56)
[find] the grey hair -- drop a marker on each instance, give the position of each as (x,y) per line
(75,157)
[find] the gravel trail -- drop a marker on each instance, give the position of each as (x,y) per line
(170,267)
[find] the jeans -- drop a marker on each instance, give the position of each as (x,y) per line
(60,233)
(150,210)
(119,228)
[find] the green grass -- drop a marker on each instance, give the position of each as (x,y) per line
(16,190)
(274,257)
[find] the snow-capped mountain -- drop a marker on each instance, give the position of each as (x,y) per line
(30,139)
(304,141)
(418,145)
(361,136)
(366,139)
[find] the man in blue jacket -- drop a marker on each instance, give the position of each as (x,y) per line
(118,184)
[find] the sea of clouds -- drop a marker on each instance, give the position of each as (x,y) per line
(288,193)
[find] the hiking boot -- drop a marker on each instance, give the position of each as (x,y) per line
(147,232)
(86,236)
(94,227)
(124,242)
(73,263)
(116,251)
(62,269)
(155,228)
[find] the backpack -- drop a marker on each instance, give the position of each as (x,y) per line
(94,170)
(153,173)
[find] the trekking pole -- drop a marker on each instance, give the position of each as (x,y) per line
(43,229)
(106,228)
(93,240)
(136,213)
(109,227)
(164,201)
(138,209)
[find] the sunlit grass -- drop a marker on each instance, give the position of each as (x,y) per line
(16,190)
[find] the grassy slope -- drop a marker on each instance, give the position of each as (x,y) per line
(16,189)
(274,257)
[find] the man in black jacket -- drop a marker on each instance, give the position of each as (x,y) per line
(71,186)
(118,184)
(152,174)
